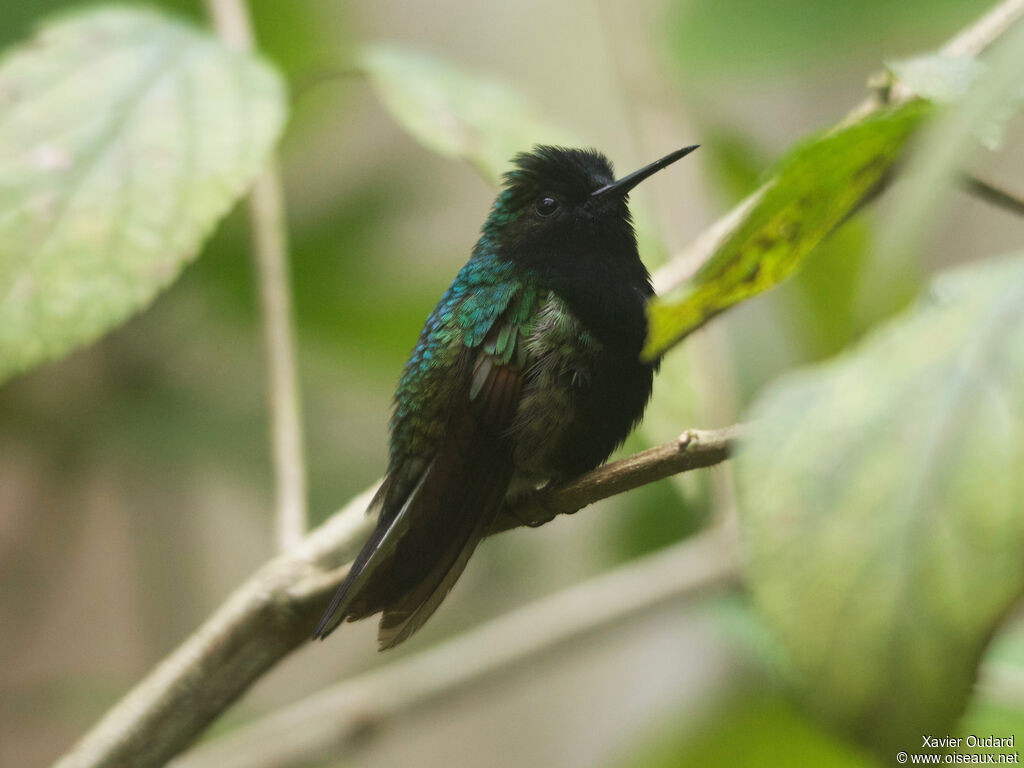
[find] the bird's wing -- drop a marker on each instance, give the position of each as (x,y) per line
(433,512)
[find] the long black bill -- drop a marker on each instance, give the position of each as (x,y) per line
(626,183)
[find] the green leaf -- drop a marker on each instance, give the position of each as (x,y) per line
(124,137)
(456,114)
(750,727)
(883,508)
(471,118)
(815,187)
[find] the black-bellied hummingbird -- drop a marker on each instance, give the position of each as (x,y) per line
(527,372)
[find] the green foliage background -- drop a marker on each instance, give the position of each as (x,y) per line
(134,486)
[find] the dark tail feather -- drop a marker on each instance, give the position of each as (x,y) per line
(374,552)
(470,510)
(433,517)
(416,554)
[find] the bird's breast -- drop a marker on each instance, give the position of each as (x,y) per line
(571,382)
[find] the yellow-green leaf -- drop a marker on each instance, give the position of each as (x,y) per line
(882,504)
(815,187)
(454,113)
(124,137)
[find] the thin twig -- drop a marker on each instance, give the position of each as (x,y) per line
(990,27)
(329,724)
(275,611)
(267,215)
(695,448)
(993,193)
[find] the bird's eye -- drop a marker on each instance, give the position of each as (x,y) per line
(547,206)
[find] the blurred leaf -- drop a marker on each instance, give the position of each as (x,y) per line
(817,307)
(743,627)
(1008,645)
(759,728)
(985,718)
(456,114)
(295,35)
(946,79)
(997,706)
(125,137)
(881,500)
(815,187)
(947,145)
(937,76)
(21,18)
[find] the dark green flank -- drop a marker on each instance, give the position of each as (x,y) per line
(528,371)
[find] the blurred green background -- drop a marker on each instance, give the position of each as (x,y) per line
(134,475)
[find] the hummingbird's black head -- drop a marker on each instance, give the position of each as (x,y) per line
(548,203)
(563,217)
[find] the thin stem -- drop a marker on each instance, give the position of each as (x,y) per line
(992,193)
(266,206)
(977,37)
(694,449)
(270,243)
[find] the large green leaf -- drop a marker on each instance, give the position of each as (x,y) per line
(815,187)
(456,114)
(753,727)
(124,137)
(882,501)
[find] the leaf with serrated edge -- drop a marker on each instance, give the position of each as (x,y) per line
(124,137)
(882,504)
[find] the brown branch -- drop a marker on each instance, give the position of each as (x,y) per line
(275,611)
(251,631)
(334,721)
(694,449)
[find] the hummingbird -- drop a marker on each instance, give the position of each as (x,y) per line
(527,372)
